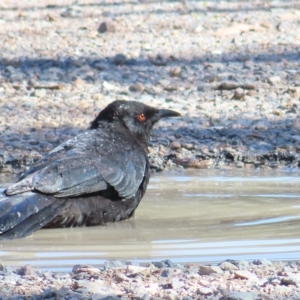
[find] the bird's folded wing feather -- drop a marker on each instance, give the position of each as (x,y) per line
(63,149)
(73,176)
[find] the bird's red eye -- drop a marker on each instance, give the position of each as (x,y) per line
(141,117)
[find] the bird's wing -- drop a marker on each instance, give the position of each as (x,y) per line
(54,154)
(83,175)
(87,163)
(24,183)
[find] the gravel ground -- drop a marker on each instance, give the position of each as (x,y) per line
(232,68)
(230,280)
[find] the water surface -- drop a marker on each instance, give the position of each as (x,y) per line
(192,216)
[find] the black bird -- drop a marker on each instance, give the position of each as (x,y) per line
(96,177)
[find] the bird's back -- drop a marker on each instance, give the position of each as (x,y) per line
(96,177)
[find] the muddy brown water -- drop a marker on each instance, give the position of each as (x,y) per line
(201,216)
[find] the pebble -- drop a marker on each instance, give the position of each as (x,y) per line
(238,94)
(241,264)
(244,274)
(263,262)
(175,145)
(204,291)
(159,60)
(40,93)
(243,296)
(108,86)
(132,270)
(175,72)
(119,59)
(274,80)
(138,87)
(26,270)
(107,26)
(207,270)
(290,281)
(227,266)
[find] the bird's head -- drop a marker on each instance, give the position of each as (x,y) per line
(136,117)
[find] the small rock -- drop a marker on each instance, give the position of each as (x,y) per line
(171,88)
(120,277)
(50,18)
(34,142)
(248,86)
(175,72)
(274,80)
(188,146)
(97,96)
(132,270)
(79,83)
(51,292)
(289,281)
(96,286)
(175,145)
(167,273)
(107,26)
(169,263)
(266,24)
(85,269)
(204,291)
(276,281)
(10,69)
(228,85)
(164,82)
(207,270)
(243,296)
(238,94)
(108,86)
(100,66)
(194,163)
(209,78)
(170,295)
(203,282)
(244,274)
(27,270)
(138,87)
(283,26)
(227,266)
(77,267)
(249,64)
(263,261)
(241,264)
(176,283)
(158,264)
(159,60)
(40,93)
(138,290)
(119,59)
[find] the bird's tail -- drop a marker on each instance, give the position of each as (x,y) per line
(23,214)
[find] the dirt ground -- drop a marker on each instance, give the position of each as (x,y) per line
(230,67)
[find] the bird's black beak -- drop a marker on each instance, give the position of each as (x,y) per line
(167,113)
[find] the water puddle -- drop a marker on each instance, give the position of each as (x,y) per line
(199,216)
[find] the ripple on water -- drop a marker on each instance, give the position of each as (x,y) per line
(199,216)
